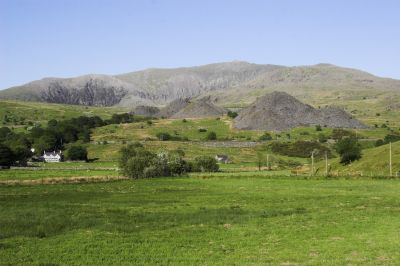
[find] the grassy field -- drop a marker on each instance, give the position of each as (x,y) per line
(374,162)
(220,220)
(20,113)
(51,173)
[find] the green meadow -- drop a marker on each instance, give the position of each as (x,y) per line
(202,220)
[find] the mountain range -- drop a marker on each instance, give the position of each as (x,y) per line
(227,84)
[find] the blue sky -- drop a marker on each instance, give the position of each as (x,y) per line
(65,38)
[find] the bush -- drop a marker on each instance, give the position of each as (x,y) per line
(322,138)
(266,136)
(6,156)
(392,138)
(338,134)
(232,114)
(136,162)
(205,164)
(300,148)
(318,128)
(202,130)
(211,136)
(163,136)
(77,153)
(379,142)
(349,150)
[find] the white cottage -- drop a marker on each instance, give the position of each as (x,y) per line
(222,158)
(52,157)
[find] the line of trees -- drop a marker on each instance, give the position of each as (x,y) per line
(16,147)
(138,162)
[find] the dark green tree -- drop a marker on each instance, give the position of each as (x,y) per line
(349,150)
(6,156)
(77,153)
(211,135)
(205,164)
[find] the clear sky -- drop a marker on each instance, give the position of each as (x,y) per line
(65,38)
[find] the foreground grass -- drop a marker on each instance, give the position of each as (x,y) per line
(190,221)
(50,173)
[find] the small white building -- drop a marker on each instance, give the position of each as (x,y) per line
(222,158)
(52,157)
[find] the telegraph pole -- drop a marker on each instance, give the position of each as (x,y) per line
(268,162)
(326,164)
(390,159)
(312,163)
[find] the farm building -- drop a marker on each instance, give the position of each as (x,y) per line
(222,158)
(52,157)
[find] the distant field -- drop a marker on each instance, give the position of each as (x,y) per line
(229,220)
(20,113)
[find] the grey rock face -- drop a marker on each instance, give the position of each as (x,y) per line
(174,107)
(148,111)
(231,82)
(279,111)
(93,93)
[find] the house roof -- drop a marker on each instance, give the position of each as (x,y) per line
(53,153)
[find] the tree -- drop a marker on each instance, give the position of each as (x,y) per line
(163,136)
(205,164)
(232,114)
(260,160)
(266,136)
(322,138)
(349,150)
(134,159)
(77,153)
(6,156)
(338,134)
(211,135)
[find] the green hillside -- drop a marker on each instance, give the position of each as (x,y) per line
(374,161)
(21,113)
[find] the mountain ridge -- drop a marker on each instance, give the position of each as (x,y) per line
(227,82)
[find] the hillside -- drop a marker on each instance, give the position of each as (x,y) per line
(232,83)
(374,161)
(279,111)
(22,113)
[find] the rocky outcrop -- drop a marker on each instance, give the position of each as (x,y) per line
(199,109)
(148,111)
(279,111)
(92,93)
(174,107)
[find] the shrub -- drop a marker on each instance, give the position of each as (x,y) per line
(349,150)
(392,138)
(232,114)
(264,137)
(379,142)
(77,153)
(202,129)
(211,136)
(300,149)
(163,136)
(136,162)
(149,122)
(205,164)
(338,134)
(318,128)
(322,138)
(6,156)
(184,120)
